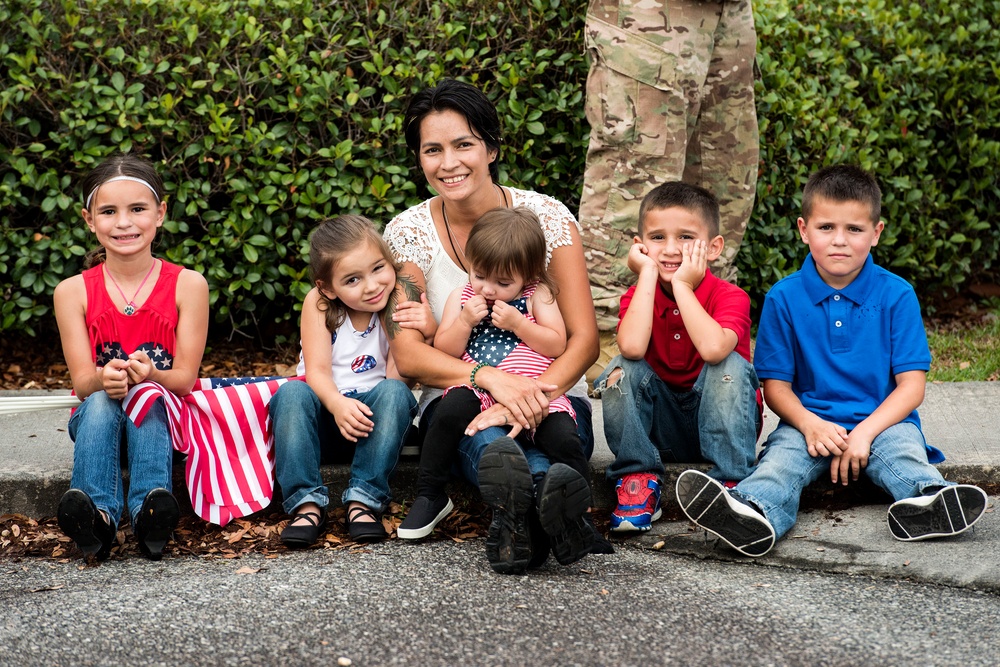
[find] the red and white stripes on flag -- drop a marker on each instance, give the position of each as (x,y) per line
(224,429)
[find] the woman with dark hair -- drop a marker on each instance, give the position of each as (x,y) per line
(454,132)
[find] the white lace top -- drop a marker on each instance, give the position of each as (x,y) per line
(412,237)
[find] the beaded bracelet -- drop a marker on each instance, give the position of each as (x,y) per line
(472,375)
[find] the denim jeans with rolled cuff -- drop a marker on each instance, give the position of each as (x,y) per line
(306,435)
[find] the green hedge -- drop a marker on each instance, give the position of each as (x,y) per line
(265,117)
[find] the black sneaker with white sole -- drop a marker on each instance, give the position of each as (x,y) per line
(424,515)
(709,505)
(563,500)
(507,487)
(949,511)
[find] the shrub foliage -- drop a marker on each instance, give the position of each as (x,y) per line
(267,116)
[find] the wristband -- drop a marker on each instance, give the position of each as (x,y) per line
(472,375)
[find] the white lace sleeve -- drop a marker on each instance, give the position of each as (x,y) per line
(411,236)
(553,214)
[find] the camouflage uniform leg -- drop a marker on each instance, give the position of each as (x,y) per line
(649,66)
(723,151)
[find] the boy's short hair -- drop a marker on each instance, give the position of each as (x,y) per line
(843,183)
(693,198)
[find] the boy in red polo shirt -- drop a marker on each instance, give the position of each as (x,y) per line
(683,388)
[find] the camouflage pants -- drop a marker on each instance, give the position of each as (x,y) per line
(669,97)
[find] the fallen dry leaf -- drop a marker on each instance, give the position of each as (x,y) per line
(53,587)
(246,569)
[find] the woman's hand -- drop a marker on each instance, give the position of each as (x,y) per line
(496,415)
(525,398)
(416,315)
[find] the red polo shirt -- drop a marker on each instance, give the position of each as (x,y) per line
(671,353)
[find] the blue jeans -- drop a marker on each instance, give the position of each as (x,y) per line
(897,463)
(97,428)
(648,424)
(306,434)
(470,448)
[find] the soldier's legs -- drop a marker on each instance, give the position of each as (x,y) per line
(648,73)
(723,147)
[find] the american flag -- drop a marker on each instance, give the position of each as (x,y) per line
(224,428)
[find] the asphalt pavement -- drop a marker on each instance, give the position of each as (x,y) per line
(842,530)
(438,603)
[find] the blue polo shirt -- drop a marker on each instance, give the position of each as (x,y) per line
(841,349)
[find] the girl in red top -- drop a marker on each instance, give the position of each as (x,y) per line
(128,318)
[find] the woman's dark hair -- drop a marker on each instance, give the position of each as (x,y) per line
(510,242)
(463,98)
(119,164)
(330,242)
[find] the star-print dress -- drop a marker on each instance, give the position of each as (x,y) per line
(222,426)
(502,349)
(115,335)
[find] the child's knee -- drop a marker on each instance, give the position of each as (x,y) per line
(613,376)
(732,372)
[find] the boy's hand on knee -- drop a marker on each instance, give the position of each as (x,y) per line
(848,466)
(825,438)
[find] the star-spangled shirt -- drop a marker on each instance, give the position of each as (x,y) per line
(492,345)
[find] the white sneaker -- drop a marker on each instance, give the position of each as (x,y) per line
(950,511)
(710,506)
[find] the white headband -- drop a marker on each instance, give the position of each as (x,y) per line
(121,178)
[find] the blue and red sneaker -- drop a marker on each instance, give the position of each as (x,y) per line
(638,503)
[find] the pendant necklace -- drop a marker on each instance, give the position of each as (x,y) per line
(451,237)
(130,306)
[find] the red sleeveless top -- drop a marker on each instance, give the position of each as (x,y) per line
(153,327)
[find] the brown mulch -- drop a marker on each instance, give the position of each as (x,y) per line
(22,537)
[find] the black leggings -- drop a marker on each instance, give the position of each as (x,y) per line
(556,437)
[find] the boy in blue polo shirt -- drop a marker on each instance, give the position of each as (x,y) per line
(843,356)
(683,388)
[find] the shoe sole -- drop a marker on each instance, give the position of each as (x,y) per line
(950,511)
(156,522)
(77,517)
(424,531)
(707,503)
(562,503)
(506,486)
(626,526)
